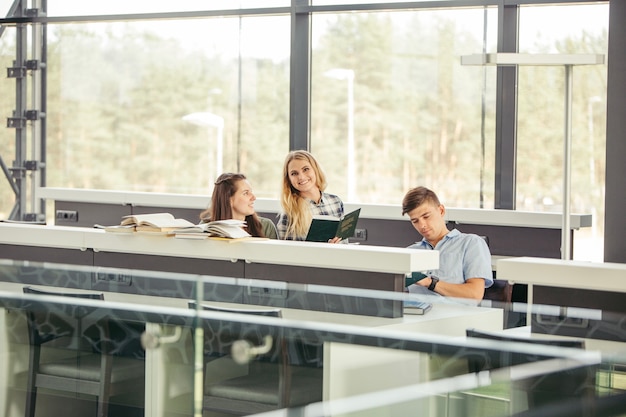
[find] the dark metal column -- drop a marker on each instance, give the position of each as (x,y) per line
(26,173)
(506,111)
(300,87)
(615,196)
(18,121)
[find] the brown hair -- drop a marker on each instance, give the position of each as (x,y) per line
(295,207)
(220,209)
(417,196)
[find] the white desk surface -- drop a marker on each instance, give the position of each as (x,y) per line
(307,254)
(371,211)
(600,276)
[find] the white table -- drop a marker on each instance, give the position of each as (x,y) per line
(351,370)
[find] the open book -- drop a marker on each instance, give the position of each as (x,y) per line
(231,229)
(324,228)
(155,222)
(118,228)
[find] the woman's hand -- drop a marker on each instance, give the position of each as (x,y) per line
(334,240)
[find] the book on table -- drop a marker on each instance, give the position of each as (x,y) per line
(416,307)
(229,229)
(324,228)
(118,228)
(155,222)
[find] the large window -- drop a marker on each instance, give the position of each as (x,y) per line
(113,7)
(541,117)
(165,106)
(393,108)
(164,98)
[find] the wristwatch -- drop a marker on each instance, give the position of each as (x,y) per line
(433,282)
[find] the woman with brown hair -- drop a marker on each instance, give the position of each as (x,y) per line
(233,199)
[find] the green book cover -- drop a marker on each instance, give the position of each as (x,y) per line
(324,228)
(413,278)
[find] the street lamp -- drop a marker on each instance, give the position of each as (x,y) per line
(590,102)
(592,164)
(348,75)
(211,120)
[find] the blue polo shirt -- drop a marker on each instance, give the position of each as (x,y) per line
(461,256)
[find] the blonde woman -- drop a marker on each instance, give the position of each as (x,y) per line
(303,196)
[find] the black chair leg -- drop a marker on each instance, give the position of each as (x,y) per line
(31,388)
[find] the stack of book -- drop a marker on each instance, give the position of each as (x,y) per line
(225,229)
(159,223)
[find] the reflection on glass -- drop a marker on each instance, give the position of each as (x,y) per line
(417,115)
(454,360)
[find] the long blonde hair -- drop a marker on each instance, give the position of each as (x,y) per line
(294,205)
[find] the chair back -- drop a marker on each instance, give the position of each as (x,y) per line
(220,334)
(486,360)
(544,389)
(86,329)
(61,322)
(79,327)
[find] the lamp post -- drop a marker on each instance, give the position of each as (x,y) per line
(348,75)
(211,120)
(592,164)
(568,61)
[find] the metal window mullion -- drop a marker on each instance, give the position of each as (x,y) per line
(300,78)
(37,95)
(19,176)
(506,111)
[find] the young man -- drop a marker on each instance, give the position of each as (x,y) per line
(464,259)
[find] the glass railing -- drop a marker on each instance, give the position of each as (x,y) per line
(168,344)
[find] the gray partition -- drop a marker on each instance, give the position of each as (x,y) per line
(294,276)
(45,254)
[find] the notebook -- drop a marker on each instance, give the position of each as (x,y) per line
(416,307)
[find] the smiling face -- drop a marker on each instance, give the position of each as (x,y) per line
(242,202)
(302,177)
(428,220)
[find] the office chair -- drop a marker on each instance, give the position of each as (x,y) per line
(80,339)
(612,405)
(499,294)
(271,382)
(544,390)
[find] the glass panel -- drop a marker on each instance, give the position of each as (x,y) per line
(541,118)
(165,106)
(335,2)
(7,105)
(393,81)
(82,8)
(5,6)
(354,364)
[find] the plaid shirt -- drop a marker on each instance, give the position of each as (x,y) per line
(329,204)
